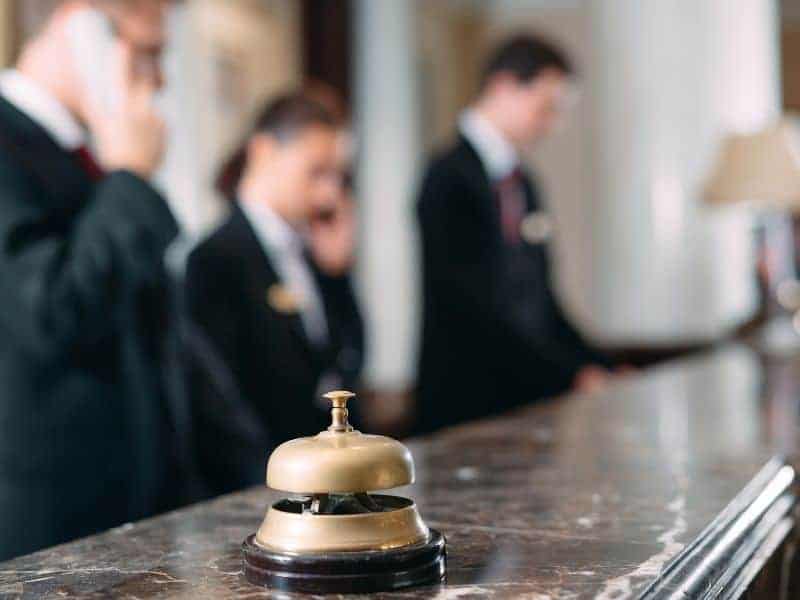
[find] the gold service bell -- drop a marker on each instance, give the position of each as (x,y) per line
(332,534)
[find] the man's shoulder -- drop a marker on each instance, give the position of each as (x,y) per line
(29,158)
(452,158)
(18,177)
(19,134)
(218,245)
(16,137)
(453,170)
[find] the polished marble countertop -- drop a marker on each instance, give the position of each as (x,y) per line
(586,496)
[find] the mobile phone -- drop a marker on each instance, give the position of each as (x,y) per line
(92,39)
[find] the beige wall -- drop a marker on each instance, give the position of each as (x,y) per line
(8,31)
(452,42)
(251,50)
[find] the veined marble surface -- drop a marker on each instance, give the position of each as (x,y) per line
(587,496)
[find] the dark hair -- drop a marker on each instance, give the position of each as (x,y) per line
(283,118)
(329,97)
(525,56)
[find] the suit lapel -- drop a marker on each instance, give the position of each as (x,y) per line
(531,196)
(260,264)
(474,172)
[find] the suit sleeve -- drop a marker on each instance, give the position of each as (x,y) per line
(458,253)
(571,339)
(573,347)
(61,284)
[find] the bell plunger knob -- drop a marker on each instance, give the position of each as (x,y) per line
(339,412)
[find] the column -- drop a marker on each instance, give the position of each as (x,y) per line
(665,81)
(389,151)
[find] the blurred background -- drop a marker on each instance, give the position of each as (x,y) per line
(643,265)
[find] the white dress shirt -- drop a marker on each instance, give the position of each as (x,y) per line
(498,155)
(284,246)
(40,106)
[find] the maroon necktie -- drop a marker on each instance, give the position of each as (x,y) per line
(89,164)
(511,205)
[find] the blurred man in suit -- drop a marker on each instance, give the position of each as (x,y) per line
(84,430)
(269,291)
(494,335)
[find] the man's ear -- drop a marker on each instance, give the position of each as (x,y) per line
(501,82)
(261,148)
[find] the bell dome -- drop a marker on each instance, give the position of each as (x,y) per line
(339,460)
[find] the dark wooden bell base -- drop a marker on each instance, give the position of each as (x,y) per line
(346,572)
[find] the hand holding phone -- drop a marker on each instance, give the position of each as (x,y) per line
(132,136)
(332,238)
(120,83)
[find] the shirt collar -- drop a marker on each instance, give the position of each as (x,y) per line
(271,228)
(43,108)
(498,155)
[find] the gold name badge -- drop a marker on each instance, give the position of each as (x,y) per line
(536,227)
(283,300)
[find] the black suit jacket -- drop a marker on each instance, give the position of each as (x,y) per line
(258,378)
(493,333)
(84,427)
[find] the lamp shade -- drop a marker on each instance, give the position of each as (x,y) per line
(762,169)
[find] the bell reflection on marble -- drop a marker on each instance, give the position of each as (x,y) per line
(333,534)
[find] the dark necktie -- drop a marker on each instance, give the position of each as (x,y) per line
(511,205)
(88,163)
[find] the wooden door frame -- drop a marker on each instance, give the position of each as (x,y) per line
(327,43)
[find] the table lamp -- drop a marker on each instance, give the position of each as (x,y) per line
(762,171)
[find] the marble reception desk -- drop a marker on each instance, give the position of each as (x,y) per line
(677,482)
